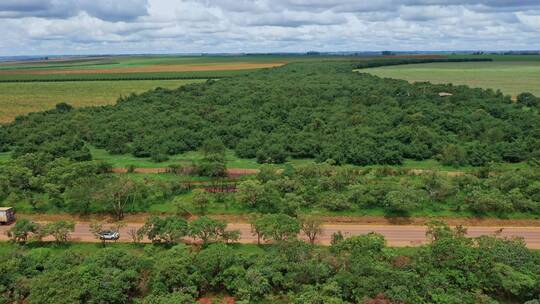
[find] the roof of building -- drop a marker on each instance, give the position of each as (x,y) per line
(5,208)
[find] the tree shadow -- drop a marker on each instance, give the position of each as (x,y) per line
(398,219)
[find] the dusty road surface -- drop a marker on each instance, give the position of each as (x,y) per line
(396,235)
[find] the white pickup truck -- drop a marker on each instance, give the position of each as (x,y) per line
(7,215)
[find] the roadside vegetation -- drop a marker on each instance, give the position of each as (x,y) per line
(361,269)
(38,185)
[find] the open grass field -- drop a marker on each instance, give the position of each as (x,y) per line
(510,74)
(21,98)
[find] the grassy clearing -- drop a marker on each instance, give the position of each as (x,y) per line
(508,74)
(22,98)
(125,160)
(5,157)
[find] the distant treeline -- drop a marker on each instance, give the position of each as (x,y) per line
(389,62)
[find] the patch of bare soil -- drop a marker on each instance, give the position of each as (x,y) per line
(447,173)
(231,172)
(235,172)
(130,218)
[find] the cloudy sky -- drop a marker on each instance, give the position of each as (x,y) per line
(31,27)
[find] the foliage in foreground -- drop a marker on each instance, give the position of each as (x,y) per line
(452,269)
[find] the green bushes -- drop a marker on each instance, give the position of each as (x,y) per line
(63,185)
(396,193)
(172,229)
(85,188)
(528,100)
(450,269)
(275,227)
(25,230)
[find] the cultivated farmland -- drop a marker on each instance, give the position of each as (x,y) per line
(24,97)
(510,74)
(38,85)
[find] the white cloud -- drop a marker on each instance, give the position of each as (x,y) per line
(103,26)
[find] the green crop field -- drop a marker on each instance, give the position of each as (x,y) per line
(136,61)
(21,98)
(510,74)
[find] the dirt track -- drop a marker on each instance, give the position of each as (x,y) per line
(396,235)
(240,172)
(230,171)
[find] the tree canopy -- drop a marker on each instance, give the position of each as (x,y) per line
(320,110)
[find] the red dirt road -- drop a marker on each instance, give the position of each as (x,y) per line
(396,235)
(231,172)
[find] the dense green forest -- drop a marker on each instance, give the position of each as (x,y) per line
(320,110)
(361,269)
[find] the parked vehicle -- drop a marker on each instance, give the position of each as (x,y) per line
(7,215)
(109,235)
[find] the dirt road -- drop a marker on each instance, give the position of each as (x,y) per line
(231,172)
(396,235)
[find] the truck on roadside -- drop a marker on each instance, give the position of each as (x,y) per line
(7,215)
